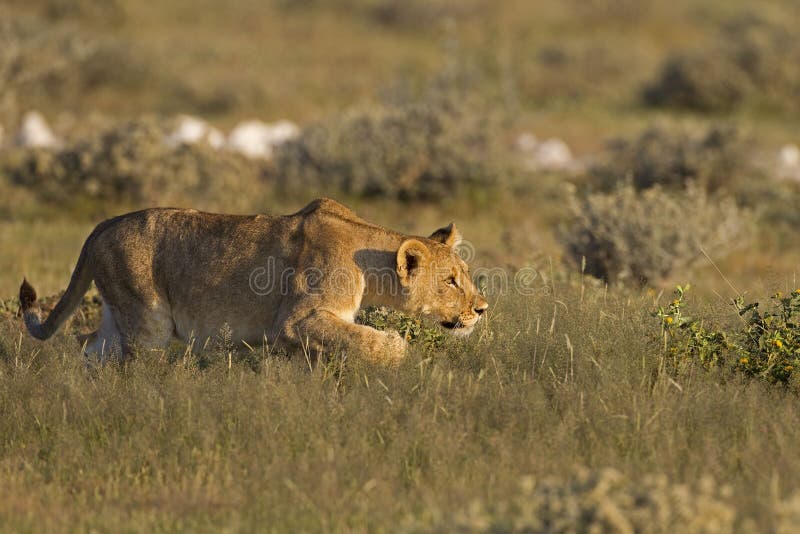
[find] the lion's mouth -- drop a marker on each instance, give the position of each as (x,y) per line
(458,328)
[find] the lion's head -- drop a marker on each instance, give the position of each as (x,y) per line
(436,281)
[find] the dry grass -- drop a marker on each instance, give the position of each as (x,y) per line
(564,378)
(556,415)
(43,251)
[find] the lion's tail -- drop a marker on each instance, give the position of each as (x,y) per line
(78,286)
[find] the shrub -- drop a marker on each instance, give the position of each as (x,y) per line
(102,63)
(767,345)
(30,53)
(411,329)
(565,71)
(752,60)
(690,340)
(718,158)
(770,340)
(418,149)
(396,14)
(39,58)
(643,237)
(416,13)
(604,501)
(776,205)
(130,163)
(671,159)
(108,12)
(610,11)
(694,80)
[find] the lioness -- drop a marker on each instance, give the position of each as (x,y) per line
(297,280)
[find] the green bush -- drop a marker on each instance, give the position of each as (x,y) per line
(644,236)
(753,60)
(690,340)
(414,149)
(130,163)
(766,345)
(412,329)
(713,159)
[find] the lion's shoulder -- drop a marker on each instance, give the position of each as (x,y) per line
(330,207)
(327,215)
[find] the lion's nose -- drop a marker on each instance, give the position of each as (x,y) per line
(481,306)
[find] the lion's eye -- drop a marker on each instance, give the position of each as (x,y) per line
(452,281)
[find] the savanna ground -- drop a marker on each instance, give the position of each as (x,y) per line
(590,395)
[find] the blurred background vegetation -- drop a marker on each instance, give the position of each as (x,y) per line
(421,101)
(546,61)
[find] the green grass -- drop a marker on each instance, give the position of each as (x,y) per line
(552,382)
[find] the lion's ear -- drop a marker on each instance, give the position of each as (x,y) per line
(449,235)
(411,256)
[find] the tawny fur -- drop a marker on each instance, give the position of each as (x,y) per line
(297,280)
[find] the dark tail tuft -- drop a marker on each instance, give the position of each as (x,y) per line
(27,295)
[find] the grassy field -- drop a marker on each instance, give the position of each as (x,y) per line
(578,404)
(559,381)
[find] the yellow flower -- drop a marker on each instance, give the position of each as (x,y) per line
(744,361)
(668,320)
(788,368)
(797,291)
(777,343)
(676,302)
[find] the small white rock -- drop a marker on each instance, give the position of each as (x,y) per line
(258,140)
(789,162)
(34,132)
(526,142)
(552,155)
(191,130)
(789,156)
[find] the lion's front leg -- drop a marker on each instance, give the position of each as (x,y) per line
(325,331)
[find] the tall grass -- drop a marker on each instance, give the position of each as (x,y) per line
(564,379)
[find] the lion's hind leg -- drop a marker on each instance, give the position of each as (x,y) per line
(143,326)
(105,341)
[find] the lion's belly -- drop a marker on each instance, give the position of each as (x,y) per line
(228,303)
(249,321)
(227,291)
